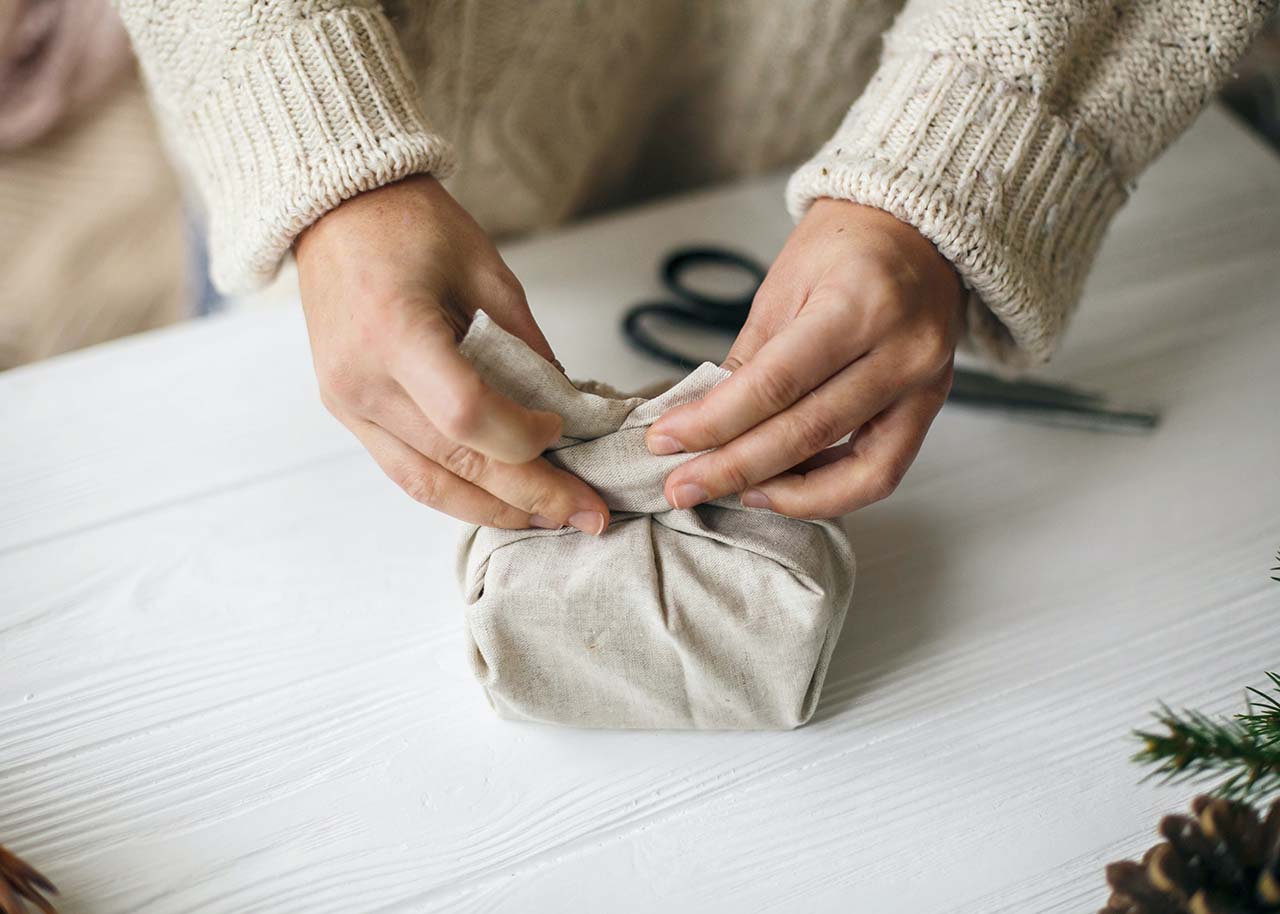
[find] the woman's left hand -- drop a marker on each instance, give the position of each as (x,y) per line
(853,330)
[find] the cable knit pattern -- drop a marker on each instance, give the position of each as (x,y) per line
(1006,131)
(303,112)
(1002,187)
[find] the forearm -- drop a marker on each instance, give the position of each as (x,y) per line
(280,115)
(1009,134)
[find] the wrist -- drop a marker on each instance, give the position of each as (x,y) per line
(365,211)
(898,247)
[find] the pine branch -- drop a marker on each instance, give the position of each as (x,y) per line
(1244,750)
(21,887)
(1262,719)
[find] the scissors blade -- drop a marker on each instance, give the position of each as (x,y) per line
(1045,403)
(979,384)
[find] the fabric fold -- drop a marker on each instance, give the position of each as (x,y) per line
(717,617)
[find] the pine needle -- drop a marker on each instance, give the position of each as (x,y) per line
(1244,750)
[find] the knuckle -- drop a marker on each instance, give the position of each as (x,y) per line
(776,389)
(545,500)
(886,478)
(805,504)
(945,382)
(539,503)
(367,399)
(506,288)
(345,388)
(499,515)
(374,325)
(931,349)
(874,278)
(875,294)
(339,381)
(723,473)
(464,462)
(423,487)
(461,412)
(734,476)
(880,287)
(810,512)
(432,319)
(815,429)
(331,403)
(936,393)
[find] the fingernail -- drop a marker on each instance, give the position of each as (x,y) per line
(546,523)
(662,445)
(589,522)
(754,498)
(688,495)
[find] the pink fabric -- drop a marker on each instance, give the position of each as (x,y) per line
(55,55)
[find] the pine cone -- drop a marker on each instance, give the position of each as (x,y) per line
(21,885)
(1221,861)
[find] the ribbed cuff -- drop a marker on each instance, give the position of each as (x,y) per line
(308,119)
(1005,189)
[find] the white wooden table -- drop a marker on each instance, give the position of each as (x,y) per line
(231,663)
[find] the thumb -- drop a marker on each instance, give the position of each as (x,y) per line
(769,312)
(503,299)
(749,342)
(521,324)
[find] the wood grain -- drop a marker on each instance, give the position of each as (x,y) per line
(232,677)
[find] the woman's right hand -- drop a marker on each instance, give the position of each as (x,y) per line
(390,280)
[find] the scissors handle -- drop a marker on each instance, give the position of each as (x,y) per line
(1038,401)
(721,311)
(639,336)
(691,307)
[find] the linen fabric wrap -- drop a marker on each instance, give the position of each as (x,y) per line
(716,617)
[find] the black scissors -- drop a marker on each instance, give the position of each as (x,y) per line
(1055,404)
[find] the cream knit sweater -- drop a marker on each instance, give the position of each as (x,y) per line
(1006,131)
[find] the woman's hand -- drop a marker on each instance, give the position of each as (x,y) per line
(390,280)
(853,330)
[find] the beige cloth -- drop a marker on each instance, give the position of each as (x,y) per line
(92,238)
(1006,131)
(717,617)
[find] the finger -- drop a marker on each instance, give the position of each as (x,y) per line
(808,351)
(818,421)
(826,456)
(452,395)
(434,486)
(879,458)
(775,304)
(552,496)
(503,299)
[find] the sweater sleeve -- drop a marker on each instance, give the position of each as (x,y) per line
(280,111)
(1009,133)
